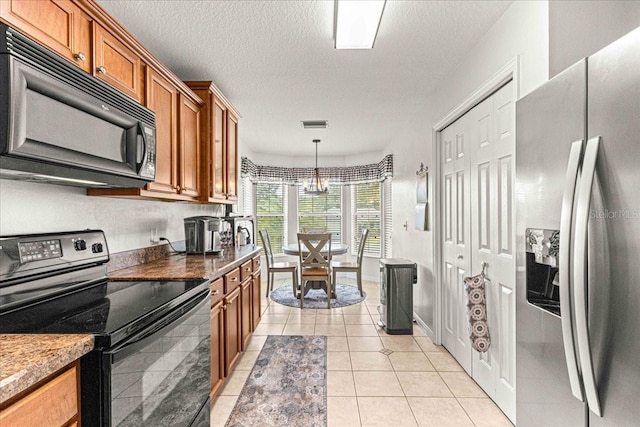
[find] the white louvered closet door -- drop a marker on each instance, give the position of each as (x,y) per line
(489,134)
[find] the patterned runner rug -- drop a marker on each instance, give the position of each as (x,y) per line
(287,386)
(317,298)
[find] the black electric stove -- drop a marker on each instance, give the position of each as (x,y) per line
(151,359)
(109,310)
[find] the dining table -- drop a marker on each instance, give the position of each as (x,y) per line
(336,249)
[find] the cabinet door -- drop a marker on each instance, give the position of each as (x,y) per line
(116,64)
(52,403)
(162,99)
(256,298)
(232,157)
(217,348)
(218,160)
(189,146)
(247,317)
(59,25)
(232,322)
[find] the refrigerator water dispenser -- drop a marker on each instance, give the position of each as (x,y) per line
(543,289)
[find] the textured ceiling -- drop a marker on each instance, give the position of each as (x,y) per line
(276,63)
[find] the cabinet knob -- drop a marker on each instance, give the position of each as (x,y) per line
(224,307)
(101,70)
(80,56)
(178,188)
(215,292)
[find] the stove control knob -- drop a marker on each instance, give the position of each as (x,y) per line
(80,245)
(96,248)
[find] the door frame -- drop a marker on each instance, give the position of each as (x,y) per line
(509,72)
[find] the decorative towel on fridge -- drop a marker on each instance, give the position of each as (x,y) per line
(477,312)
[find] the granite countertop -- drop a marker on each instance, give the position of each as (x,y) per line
(27,359)
(185,267)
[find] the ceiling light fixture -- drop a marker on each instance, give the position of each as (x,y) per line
(357,23)
(316,186)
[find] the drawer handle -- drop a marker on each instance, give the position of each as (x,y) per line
(234,279)
(80,56)
(215,292)
(101,70)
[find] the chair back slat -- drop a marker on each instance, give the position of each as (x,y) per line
(363,238)
(268,252)
(310,247)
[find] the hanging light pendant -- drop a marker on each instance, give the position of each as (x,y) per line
(316,186)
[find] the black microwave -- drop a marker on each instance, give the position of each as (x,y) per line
(61,125)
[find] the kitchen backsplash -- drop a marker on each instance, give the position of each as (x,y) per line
(27,208)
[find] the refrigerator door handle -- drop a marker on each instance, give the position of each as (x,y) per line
(580,273)
(564,271)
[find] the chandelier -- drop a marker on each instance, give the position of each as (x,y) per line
(316,186)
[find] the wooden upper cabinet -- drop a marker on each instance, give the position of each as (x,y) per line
(218,133)
(218,161)
(189,146)
(232,157)
(59,25)
(117,65)
(162,99)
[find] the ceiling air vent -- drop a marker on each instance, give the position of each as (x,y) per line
(314,124)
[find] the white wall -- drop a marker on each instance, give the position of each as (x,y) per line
(37,208)
(581,28)
(521,32)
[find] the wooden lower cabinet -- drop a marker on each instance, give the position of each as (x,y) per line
(232,329)
(54,402)
(256,306)
(235,313)
(217,337)
(247,318)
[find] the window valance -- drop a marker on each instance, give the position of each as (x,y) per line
(375,172)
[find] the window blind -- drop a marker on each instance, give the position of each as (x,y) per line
(271,213)
(321,212)
(387,203)
(366,212)
(248,205)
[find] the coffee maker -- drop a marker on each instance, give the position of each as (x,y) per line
(202,235)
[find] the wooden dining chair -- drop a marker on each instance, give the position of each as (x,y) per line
(277,267)
(338,266)
(313,230)
(315,265)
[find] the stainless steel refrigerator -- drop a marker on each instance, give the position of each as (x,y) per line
(578,235)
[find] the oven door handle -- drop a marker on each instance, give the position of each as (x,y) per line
(147,335)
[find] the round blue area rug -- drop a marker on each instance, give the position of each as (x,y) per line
(317,298)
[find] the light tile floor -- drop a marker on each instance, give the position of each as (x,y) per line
(373,379)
